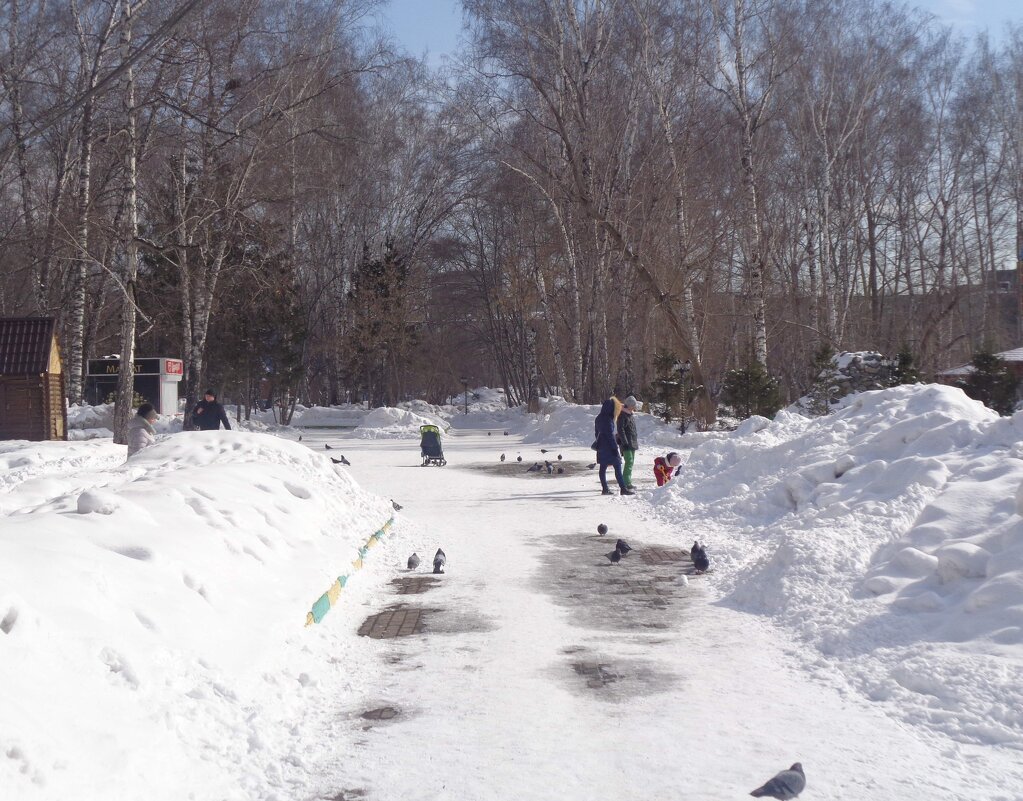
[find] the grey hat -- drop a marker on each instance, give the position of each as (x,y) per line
(631,402)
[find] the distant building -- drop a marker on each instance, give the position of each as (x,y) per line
(1013,361)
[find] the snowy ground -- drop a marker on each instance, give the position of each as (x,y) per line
(860,617)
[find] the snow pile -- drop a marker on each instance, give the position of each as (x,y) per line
(388,422)
(564,423)
(888,536)
(151,613)
(346,416)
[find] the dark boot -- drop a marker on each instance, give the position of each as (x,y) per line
(626,491)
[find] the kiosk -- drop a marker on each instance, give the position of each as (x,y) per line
(156,380)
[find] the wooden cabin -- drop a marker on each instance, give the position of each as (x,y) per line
(31,380)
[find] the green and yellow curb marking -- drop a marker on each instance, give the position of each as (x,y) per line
(330,598)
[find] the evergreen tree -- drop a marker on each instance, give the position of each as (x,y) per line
(905,371)
(666,388)
(750,391)
(991,382)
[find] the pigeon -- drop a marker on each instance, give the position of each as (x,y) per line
(602,529)
(535,468)
(786,785)
(397,506)
(336,461)
(413,561)
(543,450)
(488,433)
(327,447)
(518,458)
(299,437)
(559,457)
(615,556)
(699,556)
(345,461)
(439,560)
(623,546)
(561,470)
(550,467)
(591,466)
(506,433)
(502,457)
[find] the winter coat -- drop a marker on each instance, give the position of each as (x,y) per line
(140,434)
(628,437)
(663,471)
(208,415)
(604,431)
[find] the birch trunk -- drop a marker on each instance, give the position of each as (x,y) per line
(126,375)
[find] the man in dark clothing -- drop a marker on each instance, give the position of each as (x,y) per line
(208,414)
(628,438)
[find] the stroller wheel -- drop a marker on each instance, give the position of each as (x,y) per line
(443,462)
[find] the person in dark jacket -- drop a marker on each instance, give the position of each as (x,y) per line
(208,414)
(628,438)
(606,445)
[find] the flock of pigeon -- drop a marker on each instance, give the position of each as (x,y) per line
(439,560)
(698,553)
(536,467)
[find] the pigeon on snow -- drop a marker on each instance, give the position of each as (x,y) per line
(299,437)
(327,447)
(592,465)
(413,561)
(439,560)
(561,470)
(535,468)
(550,467)
(518,458)
(602,529)
(336,461)
(502,457)
(623,546)
(559,457)
(786,785)
(397,506)
(615,556)
(543,450)
(699,556)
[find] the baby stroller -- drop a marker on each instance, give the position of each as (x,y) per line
(429,446)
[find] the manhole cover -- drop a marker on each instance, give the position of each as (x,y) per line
(383,713)
(658,556)
(415,585)
(399,622)
(596,674)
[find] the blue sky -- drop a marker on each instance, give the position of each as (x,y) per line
(434,26)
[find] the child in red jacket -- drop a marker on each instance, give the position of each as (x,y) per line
(665,467)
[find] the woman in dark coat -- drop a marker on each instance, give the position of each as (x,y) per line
(607,447)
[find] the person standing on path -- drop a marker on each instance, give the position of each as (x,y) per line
(208,414)
(606,445)
(628,438)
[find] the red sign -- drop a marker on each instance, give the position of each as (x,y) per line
(174,367)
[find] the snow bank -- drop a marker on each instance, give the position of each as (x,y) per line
(151,612)
(564,423)
(888,536)
(388,422)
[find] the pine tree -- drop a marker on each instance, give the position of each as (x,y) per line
(905,372)
(991,382)
(750,391)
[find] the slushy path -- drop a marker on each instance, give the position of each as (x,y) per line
(544,673)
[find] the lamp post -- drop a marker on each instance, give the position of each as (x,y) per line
(465,389)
